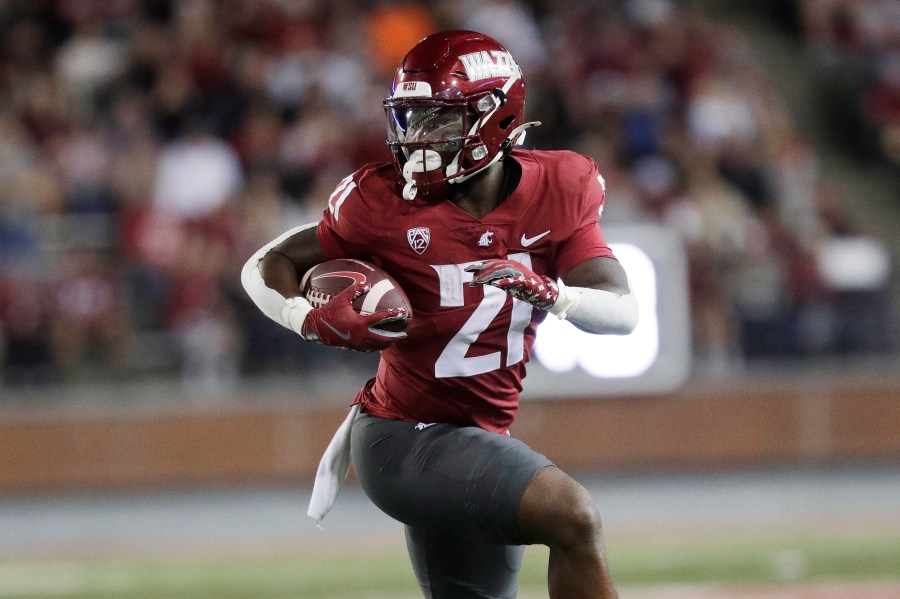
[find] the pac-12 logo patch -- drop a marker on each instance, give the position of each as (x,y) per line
(418,238)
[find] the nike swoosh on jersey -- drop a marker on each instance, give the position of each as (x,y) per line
(526,241)
(344,336)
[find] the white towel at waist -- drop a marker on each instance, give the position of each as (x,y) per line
(333,469)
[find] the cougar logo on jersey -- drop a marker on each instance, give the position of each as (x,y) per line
(418,238)
(483,65)
(487,238)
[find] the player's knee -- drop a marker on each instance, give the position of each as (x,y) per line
(558,511)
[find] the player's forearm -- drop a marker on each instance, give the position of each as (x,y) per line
(597,311)
(270,280)
(279,273)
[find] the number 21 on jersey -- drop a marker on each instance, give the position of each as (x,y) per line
(453,360)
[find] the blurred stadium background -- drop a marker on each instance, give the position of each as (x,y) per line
(158,435)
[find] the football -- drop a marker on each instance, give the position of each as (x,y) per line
(323,281)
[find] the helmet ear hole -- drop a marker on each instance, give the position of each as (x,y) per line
(505,123)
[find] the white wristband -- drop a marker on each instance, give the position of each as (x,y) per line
(596,310)
(294,312)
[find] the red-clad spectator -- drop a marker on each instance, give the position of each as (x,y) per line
(88,316)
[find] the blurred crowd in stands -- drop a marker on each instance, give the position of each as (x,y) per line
(856,50)
(148,147)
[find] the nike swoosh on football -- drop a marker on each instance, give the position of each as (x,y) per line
(526,241)
(344,336)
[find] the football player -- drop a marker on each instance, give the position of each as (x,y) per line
(486,239)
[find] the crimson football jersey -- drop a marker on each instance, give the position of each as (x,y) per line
(464,359)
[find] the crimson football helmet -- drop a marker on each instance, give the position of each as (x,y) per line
(457,106)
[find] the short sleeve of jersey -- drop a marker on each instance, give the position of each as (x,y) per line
(586,241)
(345,230)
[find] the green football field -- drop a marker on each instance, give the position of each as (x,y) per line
(656,568)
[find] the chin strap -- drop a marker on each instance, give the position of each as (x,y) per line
(420,161)
(409,191)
